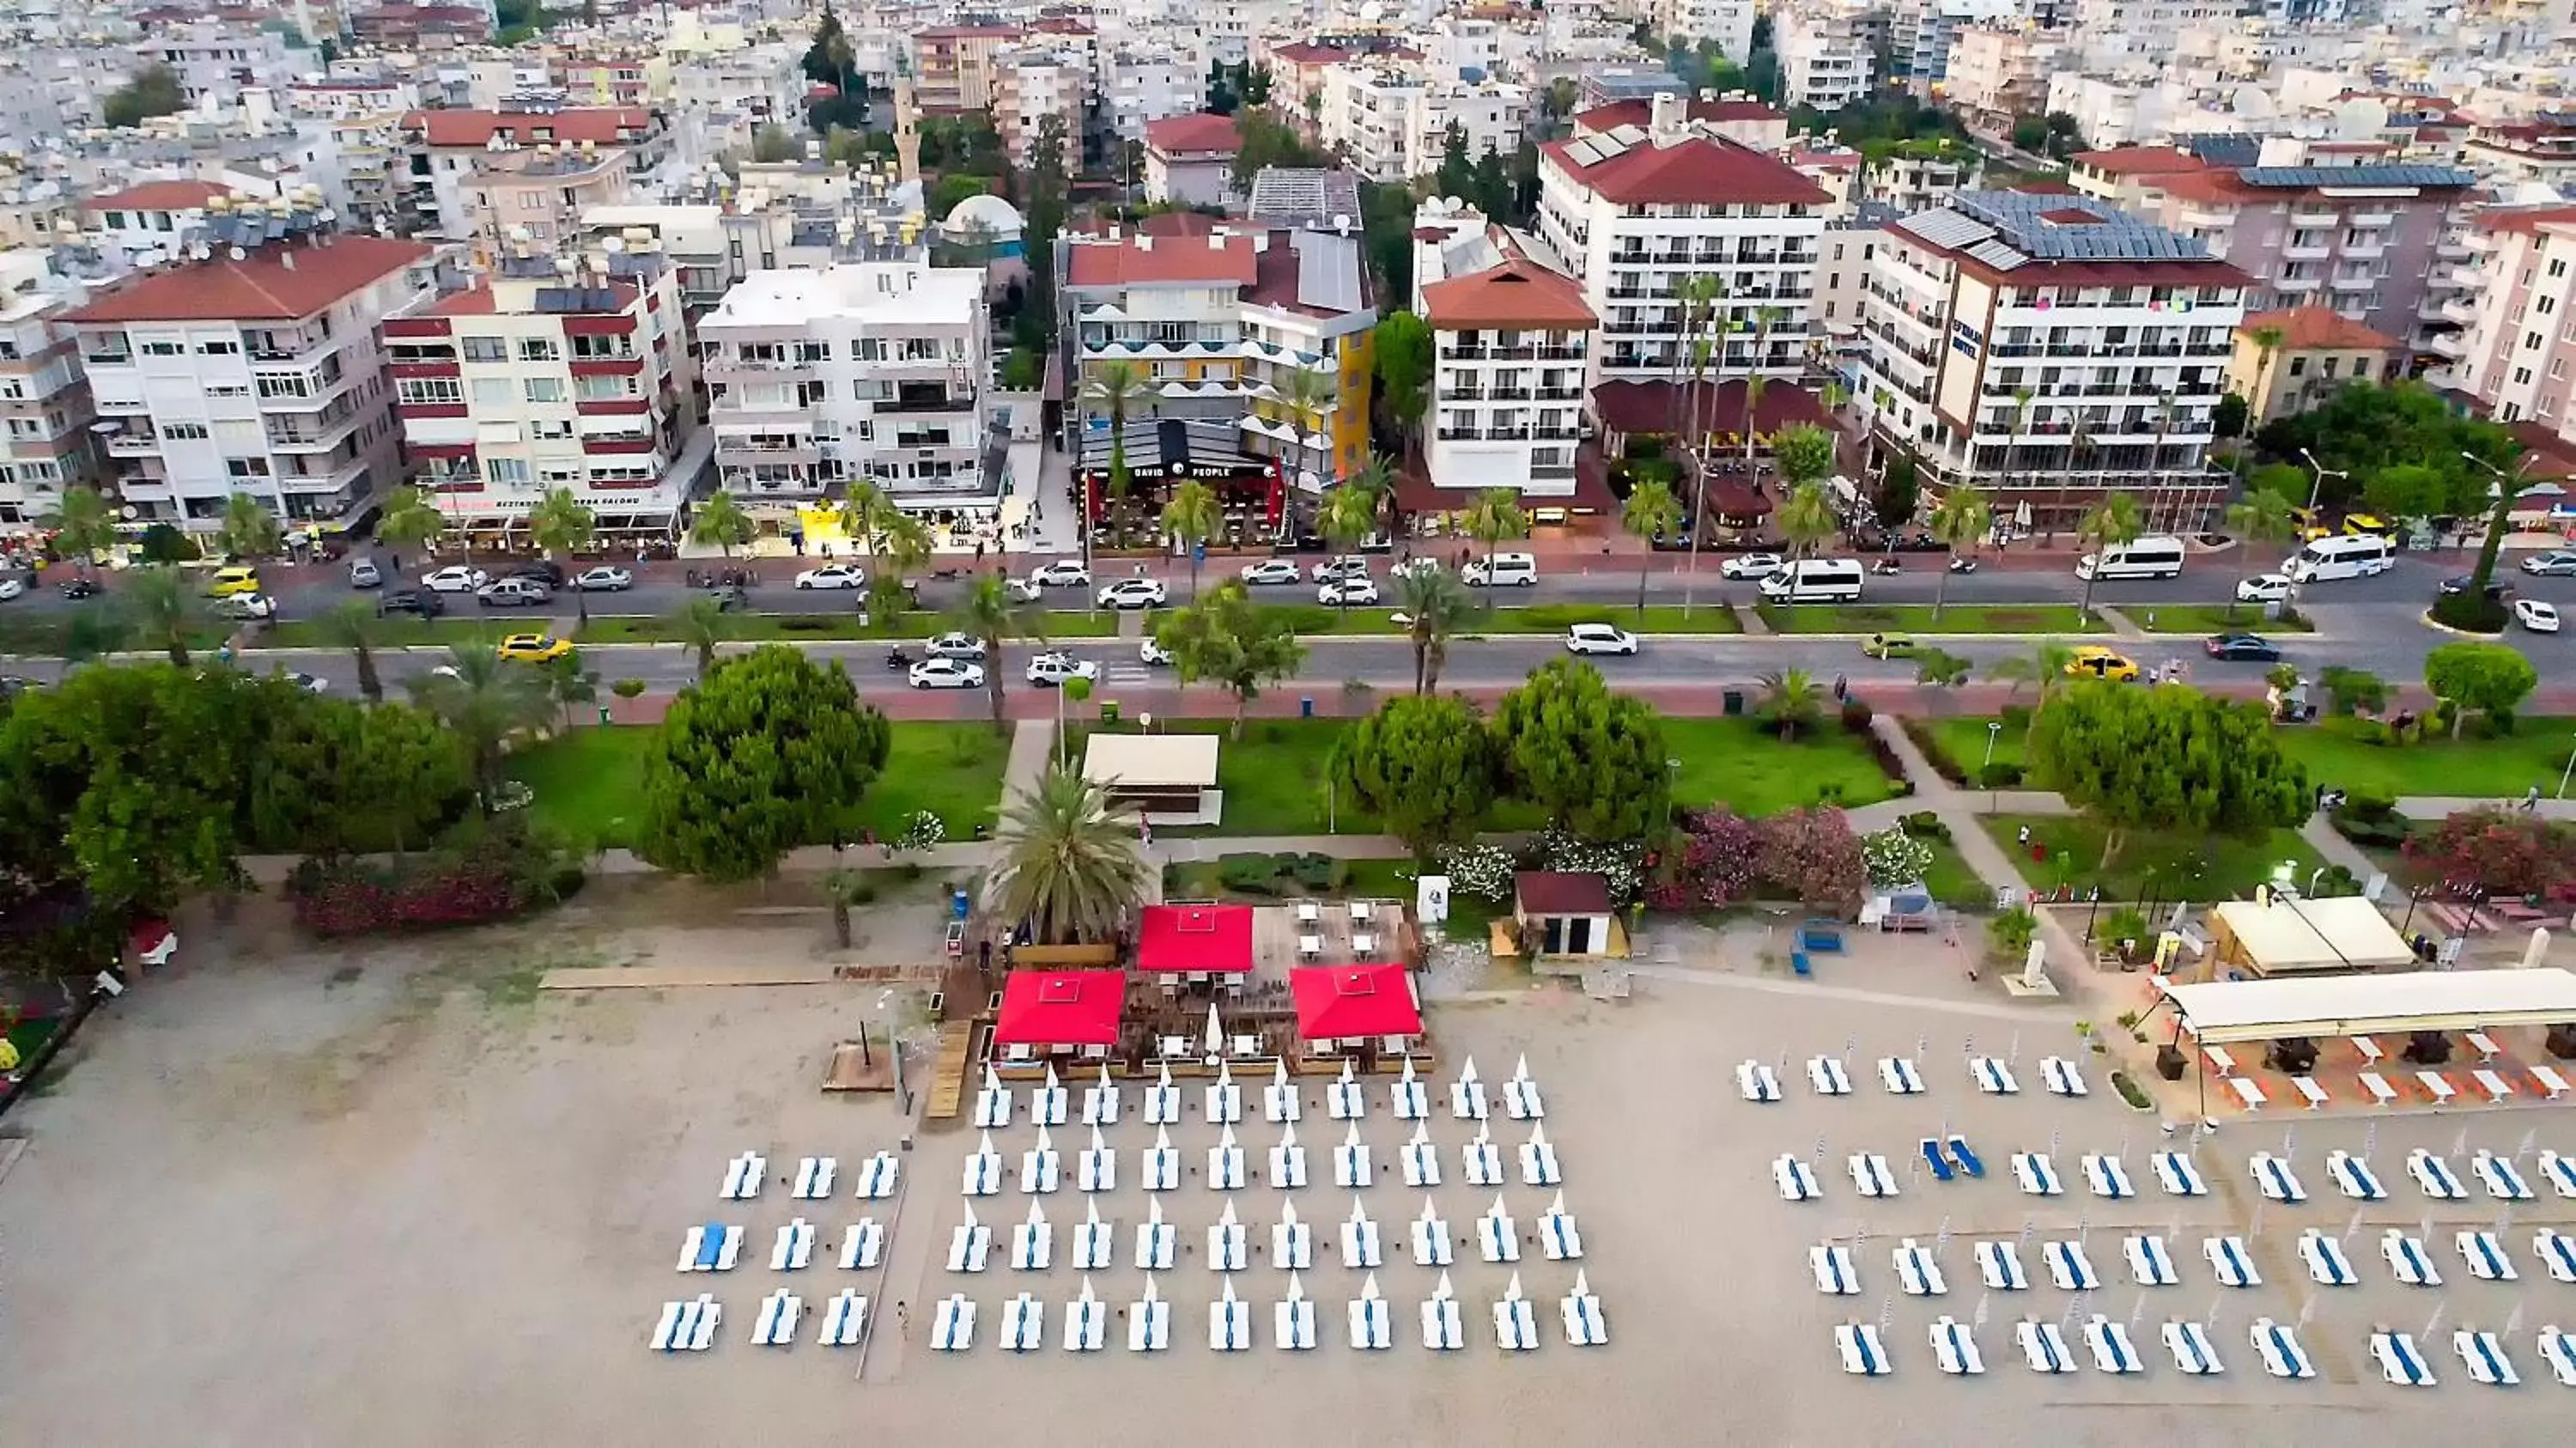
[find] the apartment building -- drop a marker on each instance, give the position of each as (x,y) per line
(568,372)
(2287,362)
(216,59)
(1634,212)
(1509,349)
(1825,56)
(151,221)
(486,175)
(955,66)
(1189,160)
(44,396)
(1727,22)
(1736,116)
(871,370)
(1394,124)
(2514,315)
(263,376)
(2001,71)
(421,29)
(2050,349)
(1921,33)
(1032,84)
(1142,84)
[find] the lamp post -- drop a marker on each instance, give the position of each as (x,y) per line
(2317,488)
(2507,487)
(1994,730)
(2564,773)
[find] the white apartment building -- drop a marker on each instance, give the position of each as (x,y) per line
(1825,58)
(871,370)
(215,59)
(1921,32)
(1999,71)
(1634,211)
(2515,347)
(1031,85)
(1395,125)
(44,397)
(571,373)
(2050,349)
(1728,22)
(1508,384)
(263,376)
(1140,85)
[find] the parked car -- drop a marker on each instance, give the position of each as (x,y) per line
(954,646)
(417,601)
(1362,589)
(1503,570)
(1056,667)
(1751,565)
(2559,563)
(229,582)
(11,587)
(1334,570)
(80,588)
(1152,652)
(513,593)
(1889,646)
(246,605)
(309,683)
(532,648)
(2497,588)
(2094,661)
(2535,616)
(946,674)
(365,573)
(606,578)
(454,578)
(833,575)
(543,570)
(1270,571)
(1133,593)
(2263,588)
(1062,573)
(1599,638)
(2250,648)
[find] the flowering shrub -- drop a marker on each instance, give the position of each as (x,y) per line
(1712,865)
(512,794)
(922,831)
(2501,851)
(1813,854)
(492,877)
(1484,871)
(1623,865)
(1892,857)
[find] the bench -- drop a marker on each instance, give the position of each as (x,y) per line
(2248,1092)
(2484,1045)
(2495,1086)
(2552,1085)
(2437,1086)
(2219,1061)
(1822,937)
(2309,1091)
(2381,1093)
(2369,1049)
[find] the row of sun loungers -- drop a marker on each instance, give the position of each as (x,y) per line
(688,1326)
(2150,1262)
(1230,1321)
(2044,1349)
(1228,1246)
(1827,1076)
(814,1177)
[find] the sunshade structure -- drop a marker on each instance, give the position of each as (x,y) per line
(2217,1012)
(2344,934)
(1048,1008)
(1349,1002)
(1194,939)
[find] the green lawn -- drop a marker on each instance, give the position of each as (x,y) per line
(2212,618)
(1964,740)
(400,632)
(1744,766)
(589,783)
(767,627)
(2535,753)
(1862,618)
(2198,867)
(1952,882)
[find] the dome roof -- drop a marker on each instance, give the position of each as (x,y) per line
(999,217)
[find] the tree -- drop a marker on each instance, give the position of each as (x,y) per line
(164,609)
(2488,679)
(1495,516)
(1424,766)
(2227,419)
(1807,518)
(1307,398)
(903,545)
(1650,512)
(2260,517)
(1804,454)
(1068,861)
(1435,604)
(1113,388)
(154,91)
(84,525)
(1962,518)
(1592,760)
(2168,759)
(570,684)
(249,530)
(1899,493)
(721,523)
(1228,640)
(487,702)
(162,543)
(410,520)
(1790,702)
(1813,854)
(2502,851)
(2044,667)
(1348,515)
(2108,524)
(333,779)
(354,626)
(768,752)
(1401,357)
(2365,428)
(1376,478)
(698,626)
(772,144)
(817,63)
(1044,212)
(1456,176)
(561,525)
(1191,516)
(987,613)
(2267,346)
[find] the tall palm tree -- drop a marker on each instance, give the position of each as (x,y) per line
(2044,666)
(561,525)
(2261,516)
(1435,605)
(249,530)
(2021,399)
(1651,509)
(721,523)
(354,626)
(1495,516)
(1807,518)
(1700,324)
(487,702)
(83,523)
(864,511)
(1114,388)
(1067,861)
(1191,516)
(698,626)
(2108,524)
(988,613)
(903,546)
(1962,519)
(2267,345)
(1348,516)
(1790,701)
(410,520)
(1757,380)
(1307,397)
(1376,478)
(164,608)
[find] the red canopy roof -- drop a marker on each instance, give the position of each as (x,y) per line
(1061,1008)
(1195,937)
(1338,1002)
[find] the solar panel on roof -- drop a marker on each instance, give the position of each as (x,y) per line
(1948,228)
(1997,255)
(2354,176)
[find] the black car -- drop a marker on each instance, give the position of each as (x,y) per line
(2497,588)
(81,588)
(417,601)
(544,571)
(2252,647)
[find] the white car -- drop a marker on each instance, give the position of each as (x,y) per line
(1057,667)
(1152,652)
(607,578)
(1349,590)
(454,578)
(246,605)
(1133,593)
(309,683)
(2266,588)
(954,646)
(1021,590)
(1751,565)
(1599,638)
(2536,616)
(11,587)
(1406,568)
(1062,573)
(833,575)
(946,674)
(1503,570)
(1270,570)
(1335,570)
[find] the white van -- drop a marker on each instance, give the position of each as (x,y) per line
(1815,580)
(2346,555)
(1503,570)
(2155,557)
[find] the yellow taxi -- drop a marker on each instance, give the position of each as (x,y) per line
(230,581)
(2361,523)
(529,648)
(2093,661)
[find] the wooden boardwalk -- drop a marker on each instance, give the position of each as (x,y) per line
(948,1076)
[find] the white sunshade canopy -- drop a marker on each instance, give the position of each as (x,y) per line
(2215,1012)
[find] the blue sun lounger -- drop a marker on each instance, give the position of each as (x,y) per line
(1940,1164)
(1967,1159)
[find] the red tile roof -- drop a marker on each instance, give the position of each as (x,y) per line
(1518,293)
(970,32)
(2317,329)
(599,124)
(1137,261)
(1304,54)
(1343,1002)
(2525,219)
(2139,160)
(1194,937)
(160,196)
(1649,407)
(264,288)
(1200,132)
(1641,113)
(1697,171)
(1060,1008)
(1560,892)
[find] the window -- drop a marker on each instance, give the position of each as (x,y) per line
(2531,340)
(183,432)
(545,389)
(492,392)
(163,349)
(536,349)
(246,467)
(484,349)
(427,391)
(2545,305)
(813,351)
(2298,366)
(2557,368)
(220,349)
(2521,376)
(603,389)
(227,389)
(551,430)
(2558,267)
(506,470)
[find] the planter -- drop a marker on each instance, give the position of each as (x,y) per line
(2170,1062)
(2131,1092)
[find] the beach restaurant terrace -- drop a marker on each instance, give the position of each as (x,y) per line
(1059,1012)
(1355,1007)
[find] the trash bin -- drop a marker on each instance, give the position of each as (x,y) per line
(603,713)
(1306,707)
(1734,702)
(1108,711)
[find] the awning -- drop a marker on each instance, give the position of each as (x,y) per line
(2214,1012)
(1209,938)
(1060,1008)
(1342,1002)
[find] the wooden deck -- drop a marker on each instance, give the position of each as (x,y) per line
(948,1075)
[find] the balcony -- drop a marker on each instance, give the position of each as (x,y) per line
(107,356)
(2371,250)
(133,445)
(2351,282)
(2454,345)
(2458,311)
(2318,220)
(2314,251)
(2467,278)
(2373,220)
(2296,285)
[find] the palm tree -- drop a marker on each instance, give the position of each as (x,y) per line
(1114,387)
(410,519)
(82,524)
(354,626)
(722,523)
(1435,605)
(1699,321)
(863,513)
(698,626)
(2110,523)
(1651,510)
(1790,701)
(249,530)
(2044,667)
(1348,516)
(164,608)
(1306,397)
(1495,516)
(1067,861)
(1962,519)
(568,684)
(1807,517)
(988,613)
(2261,516)
(2267,345)
(903,545)
(1376,478)
(1756,380)
(486,702)
(1191,515)
(2012,445)
(561,524)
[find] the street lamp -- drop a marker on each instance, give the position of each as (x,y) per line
(1994,731)
(2507,487)
(2317,488)
(2562,774)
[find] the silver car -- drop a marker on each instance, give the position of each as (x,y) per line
(2557,564)
(606,578)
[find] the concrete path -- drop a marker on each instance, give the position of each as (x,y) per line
(2434,807)
(1032,751)
(2320,834)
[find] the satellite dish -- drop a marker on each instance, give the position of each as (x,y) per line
(237,254)
(564,265)
(2249,100)
(612,244)
(2360,119)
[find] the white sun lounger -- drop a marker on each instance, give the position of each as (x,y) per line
(1515,1325)
(1156,1244)
(845,1320)
(1149,1325)
(1756,1082)
(1899,1075)
(1344,1101)
(2485,1254)
(2279,1348)
(1870,1175)
(1797,1182)
(2068,1267)
(2559,1172)
(2327,1264)
(1041,1172)
(732,1249)
(2483,1354)
(702,1328)
(2557,1253)
(743,1175)
(1584,1324)
(2191,1348)
(1023,1324)
(806,1167)
(2043,1347)
(2177,1174)
(1410,1100)
(1522,1102)
(2229,1258)
(1496,1240)
(2552,1084)
(981,1176)
(1994,1077)
(776,1325)
(1351,1165)
(1100,1105)
(793,1248)
(1360,1245)
(2353,1176)
(1229,1247)
(1162,1105)
(877,1177)
(2248,1092)
(2438,1086)
(1097,1169)
(969,1246)
(1482,1161)
(1538,1164)
(1954,1347)
(1421,1164)
(2495,1087)
(1287,1167)
(1558,1238)
(1094,1245)
(2434,1175)
(2109,1344)
(1372,1324)
(1292,1325)
(993,1108)
(1086,1324)
(2398,1360)
(1826,1074)
(1032,1246)
(953,1328)
(1279,1105)
(1917,1272)
(2150,1265)
(1431,1243)
(1162,1168)
(1229,1325)
(2559,1351)
(1292,1246)
(2273,1177)
(666,1332)
(1467,1100)
(1225,1168)
(2062,1076)
(1999,1266)
(1225,1103)
(2108,1177)
(1047,1105)
(1832,1265)
(2500,1179)
(2377,1088)
(684,1326)
(1440,1327)
(1857,1344)
(692,1247)
(2407,1260)
(2037,1175)
(2309,1091)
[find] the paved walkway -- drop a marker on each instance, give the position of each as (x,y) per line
(1032,750)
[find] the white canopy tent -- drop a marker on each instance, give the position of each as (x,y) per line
(2217,1012)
